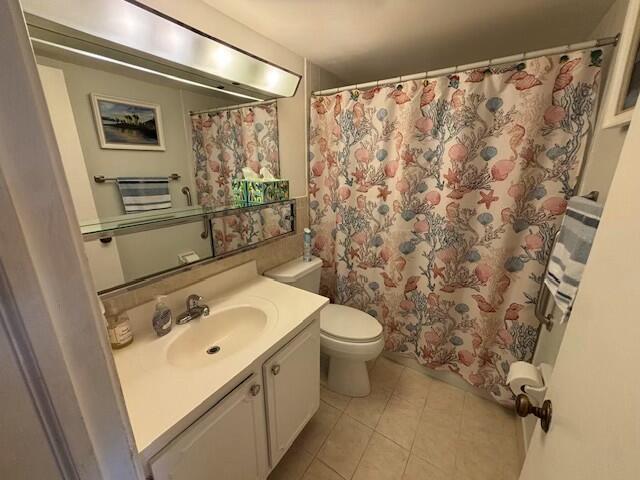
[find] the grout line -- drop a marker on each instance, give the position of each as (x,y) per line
(329,467)
(363,453)
(391,393)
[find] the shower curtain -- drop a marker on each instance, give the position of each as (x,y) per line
(224,142)
(434,205)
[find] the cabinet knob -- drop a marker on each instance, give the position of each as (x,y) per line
(255,390)
(275,369)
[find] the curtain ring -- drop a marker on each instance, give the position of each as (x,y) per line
(487,69)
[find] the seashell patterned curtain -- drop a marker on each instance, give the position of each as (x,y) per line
(224,142)
(434,205)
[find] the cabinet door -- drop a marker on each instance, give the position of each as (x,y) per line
(292,384)
(228,442)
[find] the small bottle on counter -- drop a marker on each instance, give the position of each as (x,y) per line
(306,256)
(161,317)
(119,329)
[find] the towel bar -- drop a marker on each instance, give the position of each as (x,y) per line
(103,179)
(544,299)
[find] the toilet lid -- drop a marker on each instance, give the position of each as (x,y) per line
(349,324)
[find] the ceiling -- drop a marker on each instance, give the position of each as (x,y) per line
(365,40)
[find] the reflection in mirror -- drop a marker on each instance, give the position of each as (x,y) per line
(227,140)
(233,232)
(142,151)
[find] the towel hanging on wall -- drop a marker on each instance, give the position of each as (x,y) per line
(571,252)
(144,193)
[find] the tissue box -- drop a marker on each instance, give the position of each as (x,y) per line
(257,192)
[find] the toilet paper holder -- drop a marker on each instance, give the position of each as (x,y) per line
(537,393)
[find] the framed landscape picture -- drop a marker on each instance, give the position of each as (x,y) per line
(624,79)
(127,124)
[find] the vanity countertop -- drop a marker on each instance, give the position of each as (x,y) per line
(162,398)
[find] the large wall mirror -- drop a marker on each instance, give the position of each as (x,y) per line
(153,159)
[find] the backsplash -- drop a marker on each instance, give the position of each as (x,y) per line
(266,257)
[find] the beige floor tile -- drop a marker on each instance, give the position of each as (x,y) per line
(385,374)
(442,419)
(445,397)
(317,430)
(481,414)
(293,465)
(345,445)
(418,469)
(319,471)
(399,421)
(413,386)
(478,462)
(510,427)
(334,399)
(368,410)
(382,460)
(437,445)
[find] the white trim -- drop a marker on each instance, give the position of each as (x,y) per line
(96,98)
(42,254)
(13,324)
(612,113)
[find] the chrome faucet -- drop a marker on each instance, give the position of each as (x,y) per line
(194,310)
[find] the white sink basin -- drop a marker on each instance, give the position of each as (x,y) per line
(221,333)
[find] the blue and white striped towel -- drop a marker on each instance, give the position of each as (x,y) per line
(140,194)
(571,251)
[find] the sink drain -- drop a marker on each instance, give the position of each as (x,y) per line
(212,350)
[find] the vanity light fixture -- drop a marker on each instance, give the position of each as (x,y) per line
(139,68)
(131,34)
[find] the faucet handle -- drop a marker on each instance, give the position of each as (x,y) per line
(192,301)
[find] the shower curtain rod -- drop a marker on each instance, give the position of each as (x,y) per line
(601,42)
(232,107)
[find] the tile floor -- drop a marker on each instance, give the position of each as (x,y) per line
(410,427)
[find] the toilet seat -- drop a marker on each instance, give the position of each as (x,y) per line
(349,325)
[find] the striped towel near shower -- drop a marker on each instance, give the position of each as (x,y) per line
(140,194)
(570,252)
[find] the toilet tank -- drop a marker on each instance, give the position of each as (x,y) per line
(298,273)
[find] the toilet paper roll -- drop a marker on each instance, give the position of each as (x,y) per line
(523,374)
(188,257)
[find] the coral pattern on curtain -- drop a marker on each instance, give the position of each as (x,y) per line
(434,205)
(226,141)
(239,230)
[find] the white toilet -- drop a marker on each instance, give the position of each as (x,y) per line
(348,336)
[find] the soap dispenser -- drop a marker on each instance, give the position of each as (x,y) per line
(162,320)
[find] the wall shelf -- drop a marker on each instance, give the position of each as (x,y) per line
(141,222)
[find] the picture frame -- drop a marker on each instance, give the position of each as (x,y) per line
(127,124)
(624,77)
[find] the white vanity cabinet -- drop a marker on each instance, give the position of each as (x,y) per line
(228,442)
(292,389)
(245,434)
